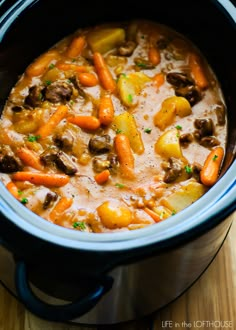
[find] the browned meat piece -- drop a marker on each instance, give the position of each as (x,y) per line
(58,92)
(178,79)
(143,64)
(62,161)
(191,93)
(127,48)
(209,141)
(49,199)
(100,144)
(220,113)
(185,139)
(114,164)
(205,127)
(100,165)
(9,163)
(196,169)
(35,97)
(65,164)
(173,169)
(64,140)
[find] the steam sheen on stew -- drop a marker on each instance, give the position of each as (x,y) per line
(116,127)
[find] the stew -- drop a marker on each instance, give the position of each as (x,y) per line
(116,127)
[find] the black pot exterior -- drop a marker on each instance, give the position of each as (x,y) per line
(173,265)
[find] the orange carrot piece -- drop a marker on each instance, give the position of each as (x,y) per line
(53,121)
(73,67)
(197,71)
(158,79)
(88,79)
(86,122)
(125,155)
(106,110)
(29,158)
(40,65)
(152,214)
(44,179)
(154,55)
(12,188)
(103,72)
(211,168)
(102,177)
(63,204)
(76,46)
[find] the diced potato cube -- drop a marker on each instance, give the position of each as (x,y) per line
(130,85)
(184,197)
(174,105)
(125,123)
(168,144)
(104,39)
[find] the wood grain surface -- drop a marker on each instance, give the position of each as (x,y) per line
(209,304)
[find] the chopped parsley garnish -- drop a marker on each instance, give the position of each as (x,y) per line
(20,192)
(118,131)
(177,135)
(119,185)
(188,169)
(142,65)
(40,96)
(33,138)
(214,158)
(130,98)
(51,66)
(173,212)
(24,200)
(147,130)
(79,224)
(178,127)
(48,82)
(72,102)
(123,75)
(73,60)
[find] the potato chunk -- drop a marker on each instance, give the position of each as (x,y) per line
(170,107)
(125,123)
(104,39)
(168,144)
(184,197)
(130,85)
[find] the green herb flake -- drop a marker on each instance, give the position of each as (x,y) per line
(214,158)
(40,96)
(177,135)
(119,185)
(20,192)
(24,200)
(71,102)
(33,138)
(188,169)
(130,98)
(51,66)
(173,212)
(178,127)
(73,60)
(80,225)
(142,65)
(47,82)
(118,131)
(147,130)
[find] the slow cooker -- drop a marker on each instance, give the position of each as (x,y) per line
(64,275)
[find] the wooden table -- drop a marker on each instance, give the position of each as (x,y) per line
(211,300)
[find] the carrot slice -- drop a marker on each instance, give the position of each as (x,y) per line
(125,155)
(45,179)
(63,204)
(85,122)
(102,177)
(29,158)
(106,110)
(103,72)
(12,188)
(211,168)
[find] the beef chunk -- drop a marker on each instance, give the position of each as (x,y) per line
(9,163)
(191,93)
(127,48)
(173,169)
(49,199)
(205,127)
(64,140)
(100,144)
(59,158)
(35,97)
(65,164)
(58,92)
(178,79)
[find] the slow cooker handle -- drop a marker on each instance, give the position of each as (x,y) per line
(58,313)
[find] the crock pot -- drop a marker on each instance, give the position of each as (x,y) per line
(111,278)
